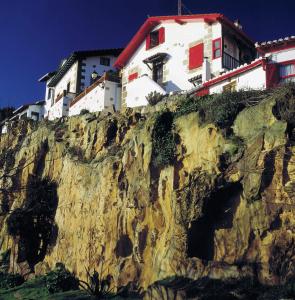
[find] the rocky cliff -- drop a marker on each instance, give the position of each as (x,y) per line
(154,192)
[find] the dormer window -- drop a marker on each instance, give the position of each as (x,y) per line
(155,38)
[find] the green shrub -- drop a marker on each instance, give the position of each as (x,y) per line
(60,280)
(164,147)
(285,103)
(219,109)
(84,112)
(97,286)
(8,281)
(154,97)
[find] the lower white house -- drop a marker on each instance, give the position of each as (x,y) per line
(33,111)
(60,107)
(102,94)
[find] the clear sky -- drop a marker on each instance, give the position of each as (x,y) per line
(35,35)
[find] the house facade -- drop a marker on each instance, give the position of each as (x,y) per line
(74,76)
(177,53)
(33,111)
(276,65)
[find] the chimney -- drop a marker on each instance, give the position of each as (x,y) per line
(238,24)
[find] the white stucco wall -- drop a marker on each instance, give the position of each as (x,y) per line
(93,64)
(252,79)
(283,55)
(139,88)
(70,76)
(60,109)
(98,99)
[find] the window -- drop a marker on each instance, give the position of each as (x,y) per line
(158,72)
(287,72)
(216,48)
(35,116)
(155,38)
(196,56)
(68,87)
(230,87)
(49,93)
(105,61)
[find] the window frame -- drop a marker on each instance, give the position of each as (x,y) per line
(285,64)
(214,48)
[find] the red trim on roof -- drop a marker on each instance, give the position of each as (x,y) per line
(234,73)
(152,22)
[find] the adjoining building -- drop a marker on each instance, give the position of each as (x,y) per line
(275,66)
(75,74)
(178,53)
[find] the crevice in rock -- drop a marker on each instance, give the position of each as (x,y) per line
(268,171)
(124,246)
(111,133)
(218,213)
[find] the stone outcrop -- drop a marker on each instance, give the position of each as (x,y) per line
(224,208)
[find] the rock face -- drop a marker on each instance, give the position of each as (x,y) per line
(223,207)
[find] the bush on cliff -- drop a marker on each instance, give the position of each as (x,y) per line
(285,103)
(163,141)
(61,280)
(219,109)
(8,281)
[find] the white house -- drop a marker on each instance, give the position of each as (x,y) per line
(175,53)
(105,92)
(33,111)
(275,66)
(74,75)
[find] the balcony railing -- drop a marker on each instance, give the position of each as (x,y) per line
(229,62)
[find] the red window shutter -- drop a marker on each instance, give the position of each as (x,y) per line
(272,75)
(196,56)
(148,42)
(161,35)
(202,92)
(132,76)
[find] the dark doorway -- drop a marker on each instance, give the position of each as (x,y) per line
(158,72)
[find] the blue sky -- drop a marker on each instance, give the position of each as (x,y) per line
(37,34)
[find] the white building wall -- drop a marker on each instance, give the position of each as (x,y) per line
(283,55)
(37,109)
(98,99)
(216,64)
(60,109)
(93,64)
(70,76)
(252,79)
(138,89)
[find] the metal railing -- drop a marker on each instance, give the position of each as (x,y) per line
(229,62)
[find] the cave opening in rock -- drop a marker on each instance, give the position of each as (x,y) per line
(217,213)
(34,223)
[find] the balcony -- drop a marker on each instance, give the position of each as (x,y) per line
(229,62)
